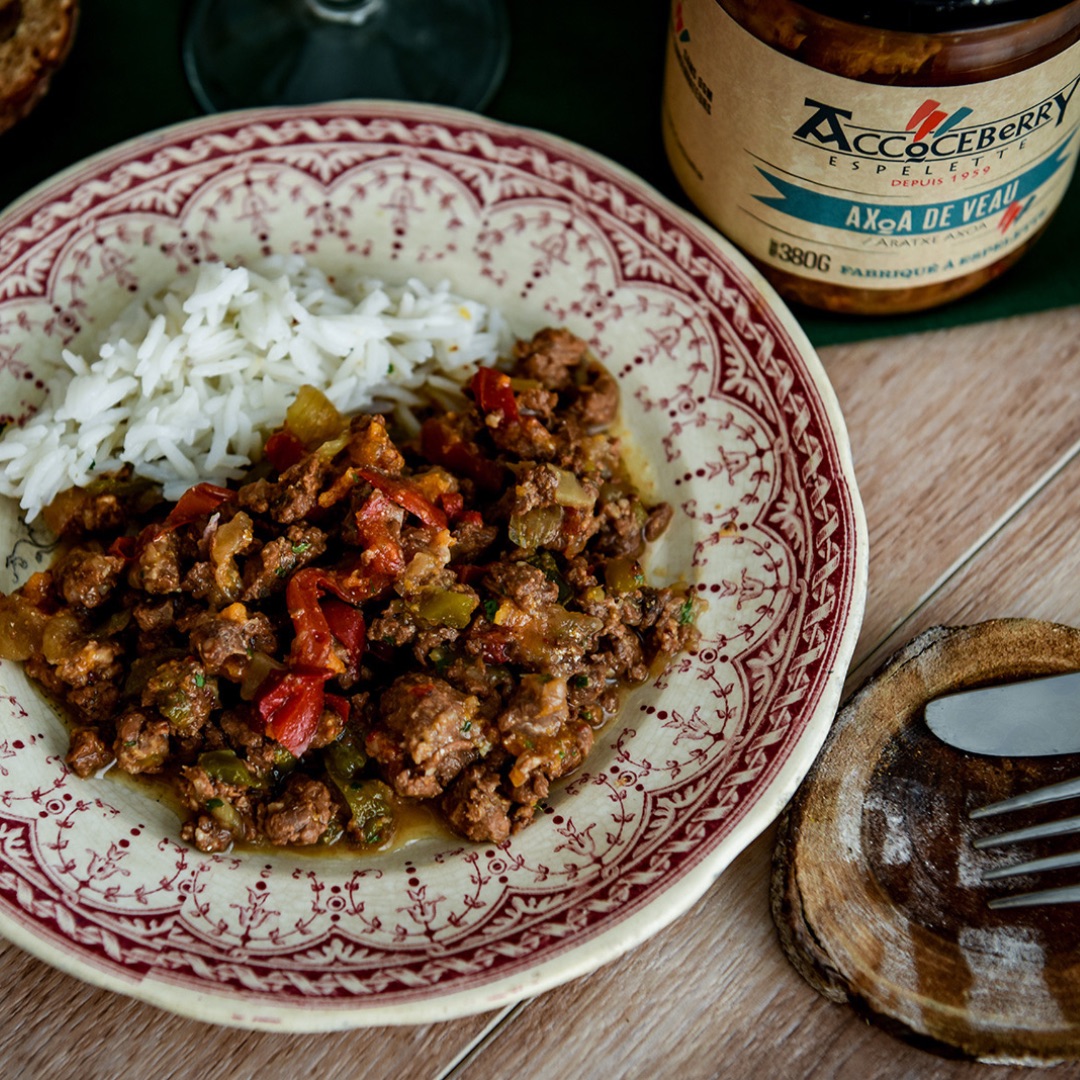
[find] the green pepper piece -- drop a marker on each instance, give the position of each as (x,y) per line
(226,767)
(284,762)
(445,607)
(370,802)
(224,813)
(545,560)
(536,527)
(372,806)
(344,759)
(332,833)
(623,574)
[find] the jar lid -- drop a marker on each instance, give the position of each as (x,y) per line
(932,16)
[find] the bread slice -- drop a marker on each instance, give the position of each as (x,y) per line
(35,39)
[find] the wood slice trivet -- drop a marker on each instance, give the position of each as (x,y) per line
(876,889)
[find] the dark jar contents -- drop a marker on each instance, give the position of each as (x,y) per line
(870,158)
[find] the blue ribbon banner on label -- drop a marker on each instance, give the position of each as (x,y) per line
(883,219)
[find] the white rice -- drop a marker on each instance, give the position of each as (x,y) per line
(189,382)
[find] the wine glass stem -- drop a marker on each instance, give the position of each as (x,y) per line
(345,11)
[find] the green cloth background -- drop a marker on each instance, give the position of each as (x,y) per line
(587,70)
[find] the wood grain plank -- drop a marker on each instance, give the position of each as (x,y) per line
(949,433)
(1030,568)
(711,996)
(54,1026)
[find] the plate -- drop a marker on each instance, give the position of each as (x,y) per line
(730,418)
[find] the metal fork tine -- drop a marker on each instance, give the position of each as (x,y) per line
(1066,894)
(1032,832)
(1034,866)
(1068,789)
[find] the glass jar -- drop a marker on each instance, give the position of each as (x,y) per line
(875,158)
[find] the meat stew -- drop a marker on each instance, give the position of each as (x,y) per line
(369,618)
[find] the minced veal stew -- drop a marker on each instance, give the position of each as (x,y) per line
(445,617)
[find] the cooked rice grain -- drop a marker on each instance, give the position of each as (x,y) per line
(189,382)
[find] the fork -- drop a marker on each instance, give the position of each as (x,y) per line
(1065,894)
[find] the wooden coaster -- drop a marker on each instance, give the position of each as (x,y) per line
(876,888)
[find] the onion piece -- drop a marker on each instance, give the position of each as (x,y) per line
(255,673)
(22,629)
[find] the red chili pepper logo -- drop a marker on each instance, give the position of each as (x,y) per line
(680,27)
(930,118)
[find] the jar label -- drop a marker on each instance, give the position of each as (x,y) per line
(858,184)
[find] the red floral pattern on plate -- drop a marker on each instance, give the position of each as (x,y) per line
(728,416)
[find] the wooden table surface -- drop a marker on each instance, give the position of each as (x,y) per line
(967,448)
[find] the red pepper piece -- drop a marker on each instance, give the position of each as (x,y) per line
(453,504)
(290,705)
(406,496)
(339,704)
(283,450)
(197,502)
(493,645)
(443,445)
(313,650)
(347,625)
(469,573)
(313,642)
(382,549)
(493,393)
(124,546)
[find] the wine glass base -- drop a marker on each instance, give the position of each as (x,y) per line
(248,53)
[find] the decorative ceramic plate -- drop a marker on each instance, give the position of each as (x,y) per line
(731,419)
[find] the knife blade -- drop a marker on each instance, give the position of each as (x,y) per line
(1028,718)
